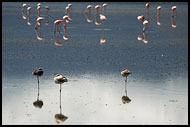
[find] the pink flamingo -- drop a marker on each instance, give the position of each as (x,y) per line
(38,9)
(145,24)
(28,15)
(56,22)
(38,21)
(88,10)
(102,18)
(104,8)
(23,11)
(66,20)
(173,9)
(23,6)
(147,11)
(96,12)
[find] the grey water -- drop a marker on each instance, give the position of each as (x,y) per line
(157,87)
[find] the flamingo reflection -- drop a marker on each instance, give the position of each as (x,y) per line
(173,22)
(158,15)
(125,73)
(57,39)
(59,79)
(102,18)
(38,103)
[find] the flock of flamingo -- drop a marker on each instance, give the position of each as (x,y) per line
(97,15)
(141,19)
(60,79)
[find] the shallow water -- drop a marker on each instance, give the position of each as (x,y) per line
(157,86)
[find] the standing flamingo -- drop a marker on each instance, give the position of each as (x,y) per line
(96,13)
(38,9)
(47,10)
(38,72)
(104,8)
(23,6)
(38,21)
(56,22)
(102,18)
(140,19)
(24,15)
(88,13)
(145,24)
(59,79)
(28,15)
(158,15)
(125,73)
(66,20)
(147,11)
(173,9)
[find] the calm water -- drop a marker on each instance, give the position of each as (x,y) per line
(157,87)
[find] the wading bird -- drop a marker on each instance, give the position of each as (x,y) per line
(125,73)
(56,22)
(104,8)
(145,24)
(59,79)
(173,9)
(96,13)
(38,72)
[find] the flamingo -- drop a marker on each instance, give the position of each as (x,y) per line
(125,73)
(38,72)
(147,11)
(65,18)
(145,23)
(104,8)
(23,6)
(38,21)
(102,18)
(173,9)
(96,12)
(47,10)
(59,79)
(23,12)
(38,9)
(28,15)
(28,11)
(88,9)
(56,22)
